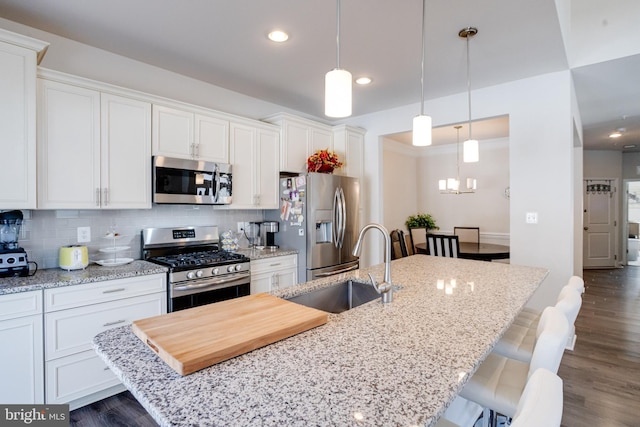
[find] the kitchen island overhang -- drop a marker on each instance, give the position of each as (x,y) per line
(396,364)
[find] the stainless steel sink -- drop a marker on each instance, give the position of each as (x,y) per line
(338,298)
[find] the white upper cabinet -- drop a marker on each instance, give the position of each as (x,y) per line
(254,153)
(211,139)
(93,149)
(348,144)
(125,171)
(300,138)
(18,56)
(189,135)
(172,132)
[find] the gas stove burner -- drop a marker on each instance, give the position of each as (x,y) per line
(199,259)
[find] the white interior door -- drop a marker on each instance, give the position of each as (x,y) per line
(600,223)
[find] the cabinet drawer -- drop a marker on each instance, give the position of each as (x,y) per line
(71,331)
(21,304)
(274,263)
(77,376)
(108,290)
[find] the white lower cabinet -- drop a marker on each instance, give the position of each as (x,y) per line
(21,351)
(74,315)
(274,273)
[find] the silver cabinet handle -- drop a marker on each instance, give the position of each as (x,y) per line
(275,264)
(105,197)
(114,323)
(110,291)
(97,197)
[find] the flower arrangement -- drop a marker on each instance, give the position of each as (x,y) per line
(323,161)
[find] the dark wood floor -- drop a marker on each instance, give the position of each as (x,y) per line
(601,376)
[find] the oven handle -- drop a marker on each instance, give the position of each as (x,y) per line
(215,282)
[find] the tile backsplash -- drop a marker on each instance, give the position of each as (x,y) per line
(44,232)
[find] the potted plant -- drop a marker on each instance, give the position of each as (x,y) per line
(421,221)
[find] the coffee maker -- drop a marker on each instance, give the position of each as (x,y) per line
(13,259)
(268,229)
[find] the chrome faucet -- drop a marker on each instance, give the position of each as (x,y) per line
(385,288)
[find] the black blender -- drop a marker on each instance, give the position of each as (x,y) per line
(13,259)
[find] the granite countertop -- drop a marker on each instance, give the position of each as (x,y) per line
(375,365)
(256,254)
(57,277)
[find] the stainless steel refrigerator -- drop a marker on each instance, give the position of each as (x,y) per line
(319,217)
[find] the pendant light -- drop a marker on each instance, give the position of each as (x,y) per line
(452,185)
(337,83)
(422,123)
(470,152)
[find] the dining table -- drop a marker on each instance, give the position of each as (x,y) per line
(477,251)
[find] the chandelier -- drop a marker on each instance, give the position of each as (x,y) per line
(452,185)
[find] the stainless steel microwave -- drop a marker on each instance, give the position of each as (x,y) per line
(191,182)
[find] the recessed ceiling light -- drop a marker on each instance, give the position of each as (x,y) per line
(618,133)
(278,36)
(363,80)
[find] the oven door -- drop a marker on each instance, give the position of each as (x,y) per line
(194,293)
(181,181)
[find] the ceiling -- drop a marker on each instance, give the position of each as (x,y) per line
(224,42)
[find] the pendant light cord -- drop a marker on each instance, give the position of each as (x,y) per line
(422,65)
(458,155)
(338,34)
(469,82)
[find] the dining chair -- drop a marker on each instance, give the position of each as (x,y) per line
(442,245)
(540,404)
(519,341)
(467,234)
(398,244)
(499,382)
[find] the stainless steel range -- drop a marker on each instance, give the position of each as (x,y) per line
(199,271)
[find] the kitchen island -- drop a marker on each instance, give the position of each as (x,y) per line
(397,364)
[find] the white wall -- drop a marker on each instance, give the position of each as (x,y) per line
(487,208)
(400,184)
(541,153)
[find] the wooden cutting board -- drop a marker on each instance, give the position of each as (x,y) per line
(193,339)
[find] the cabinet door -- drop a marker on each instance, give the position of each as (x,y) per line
(243,154)
(68,146)
(71,331)
(21,362)
(261,282)
(125,153)
(77,376)
(295,138)
(269,172)
(172,132)
(288,277)
(321,139)
(211,139)
(17,127)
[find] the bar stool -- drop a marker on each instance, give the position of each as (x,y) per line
(498,383)
(529,316)
(519,341)
(540,404)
